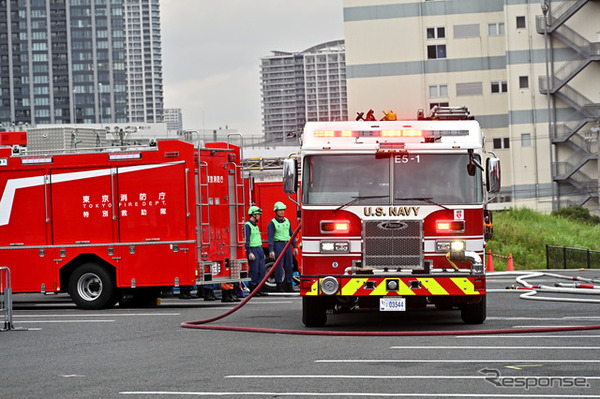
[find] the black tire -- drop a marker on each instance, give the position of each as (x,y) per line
(314,312)
(474,313)
(92,286)
(270,284)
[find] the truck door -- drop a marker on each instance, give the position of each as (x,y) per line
(83,206)
(24,222)
(152,212)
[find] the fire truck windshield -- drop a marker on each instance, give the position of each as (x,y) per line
(398,179)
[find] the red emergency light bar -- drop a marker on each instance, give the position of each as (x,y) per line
(368,133)
(401,133)
(407,132)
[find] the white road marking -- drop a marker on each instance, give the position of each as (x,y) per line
(352,394)
(65,321)
(572,336)
(546,318)
(500,347)
(471,361)
(390,377)
(95,315)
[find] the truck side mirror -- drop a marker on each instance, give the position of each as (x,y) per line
(290,175)
(493,175)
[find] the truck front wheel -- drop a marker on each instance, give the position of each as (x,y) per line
(474,313)
(314,312)
(91,286)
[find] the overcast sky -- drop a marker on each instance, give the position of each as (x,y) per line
(212,50)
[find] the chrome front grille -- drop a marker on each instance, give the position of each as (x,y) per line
(393,244)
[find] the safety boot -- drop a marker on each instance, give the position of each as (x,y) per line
(233,295)
(226,296)
(209,295)
(289,287)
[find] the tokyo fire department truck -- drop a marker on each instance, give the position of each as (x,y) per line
(392,214)
(265,188)
(121,223)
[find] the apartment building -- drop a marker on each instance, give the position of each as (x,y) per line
(79,61)
(299,87)
(527,70)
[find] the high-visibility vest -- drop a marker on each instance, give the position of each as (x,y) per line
(255,240)
(282,230)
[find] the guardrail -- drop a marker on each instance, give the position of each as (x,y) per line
(6,298)
(571,258)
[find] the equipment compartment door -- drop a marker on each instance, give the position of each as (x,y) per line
(25,221)
(83,206)
(152,210)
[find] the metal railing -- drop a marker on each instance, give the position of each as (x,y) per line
(6,298)
(571,258)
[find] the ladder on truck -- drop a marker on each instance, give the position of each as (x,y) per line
(448,113)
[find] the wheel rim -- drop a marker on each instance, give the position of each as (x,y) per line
(89,287)
(271,280)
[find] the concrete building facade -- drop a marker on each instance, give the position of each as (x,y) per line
(491,56)
(79,61)
(300,87)
(174,119)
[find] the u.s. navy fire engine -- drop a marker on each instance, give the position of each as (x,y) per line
(122,223)
(392,214)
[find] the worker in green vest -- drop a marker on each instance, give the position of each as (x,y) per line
(254,249)
(280,232)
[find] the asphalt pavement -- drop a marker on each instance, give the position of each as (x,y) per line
(65,352)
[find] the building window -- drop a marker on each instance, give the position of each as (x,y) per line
(526,140)
(499,87)
(523,82)
(501,143)
(436,91)
(496,29)
(436,33)
(465,31)
(521,22)
(469,89)
(436,51)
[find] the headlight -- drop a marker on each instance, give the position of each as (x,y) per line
(457,251)
(335,246)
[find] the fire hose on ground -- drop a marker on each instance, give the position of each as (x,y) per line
(204,323)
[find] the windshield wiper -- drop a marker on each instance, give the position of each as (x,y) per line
(424,199)
(359,197)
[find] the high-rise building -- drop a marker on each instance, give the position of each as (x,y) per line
(67,61)
(174,119)
(144,61)
(497,58)
(300,87)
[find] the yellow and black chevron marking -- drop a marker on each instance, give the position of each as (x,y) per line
(407,286)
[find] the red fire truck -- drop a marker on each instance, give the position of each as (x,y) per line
(266,188)
(392,214)
(122,223)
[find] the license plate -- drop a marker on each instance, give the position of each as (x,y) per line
(392,304)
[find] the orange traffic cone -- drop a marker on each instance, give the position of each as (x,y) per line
(490,262)
(510,267)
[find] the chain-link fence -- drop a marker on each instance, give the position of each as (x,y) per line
(571,258)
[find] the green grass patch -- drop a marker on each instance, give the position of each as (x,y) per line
(525,233)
